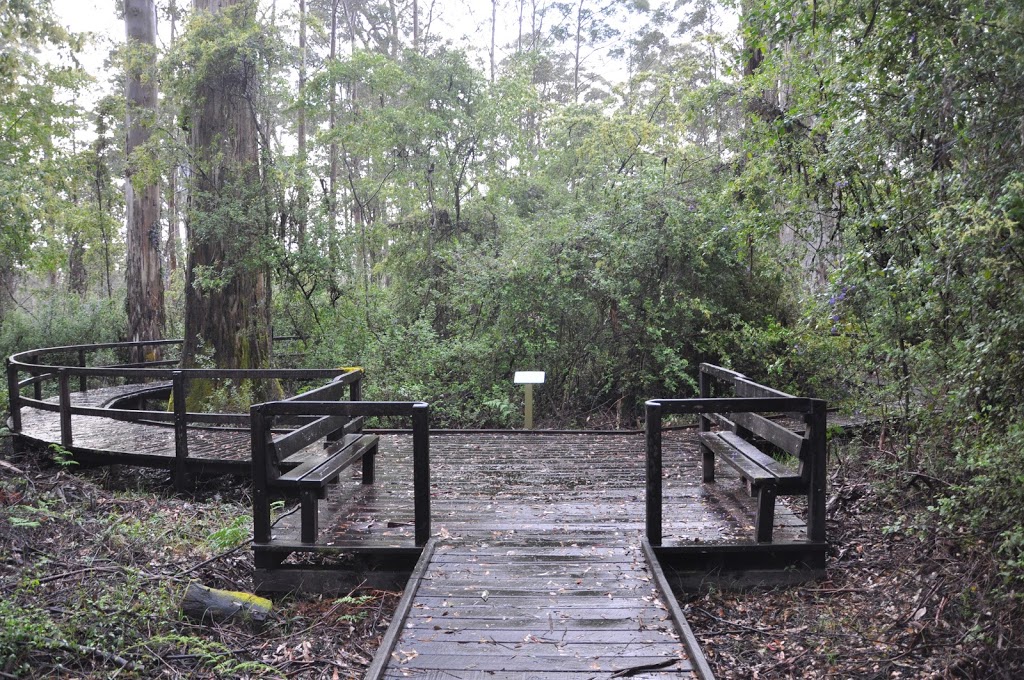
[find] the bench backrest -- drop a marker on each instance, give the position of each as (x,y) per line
(307,428)
(716,381)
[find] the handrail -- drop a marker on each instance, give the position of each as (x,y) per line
(29,362)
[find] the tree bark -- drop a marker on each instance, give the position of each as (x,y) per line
(227,291)
(303,193)
(143,275)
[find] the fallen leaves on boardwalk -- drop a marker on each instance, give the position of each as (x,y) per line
(93,565)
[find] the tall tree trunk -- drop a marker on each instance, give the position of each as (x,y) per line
(227,291)
(494,30)
(143,275)
(173,219)
(77,278)
(332,200)
(576,56)
(415,26)
(303,207)
(393,42)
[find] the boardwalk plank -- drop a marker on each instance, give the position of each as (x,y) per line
(523,662)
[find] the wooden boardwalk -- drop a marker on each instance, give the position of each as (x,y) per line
(537,567)
(573,612)
(525,488)
(107,441)
(538,571)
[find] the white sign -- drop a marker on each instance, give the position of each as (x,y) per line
(528,377)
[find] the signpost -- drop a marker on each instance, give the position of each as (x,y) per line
(529,378)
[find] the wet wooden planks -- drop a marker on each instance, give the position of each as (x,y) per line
(523,488)
(111,441)
(528,612)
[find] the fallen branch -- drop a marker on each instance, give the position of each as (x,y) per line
(216,557)
(734,623)
(12,468)
(634,670)
(95,651)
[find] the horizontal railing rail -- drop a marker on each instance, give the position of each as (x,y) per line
(43,371)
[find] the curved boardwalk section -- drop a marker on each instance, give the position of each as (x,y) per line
(100,440)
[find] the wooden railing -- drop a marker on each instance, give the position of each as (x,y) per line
(733,402)
(50,370)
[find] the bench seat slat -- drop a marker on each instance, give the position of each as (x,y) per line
(320,468)
(757,468)
(753,474)
(770,465)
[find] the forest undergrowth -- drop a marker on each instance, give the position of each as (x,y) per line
(94,565)
(900,598)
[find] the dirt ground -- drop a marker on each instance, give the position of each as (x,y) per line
(899,600)
(93,565)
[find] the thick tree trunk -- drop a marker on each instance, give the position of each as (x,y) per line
(227,292)
(143,275)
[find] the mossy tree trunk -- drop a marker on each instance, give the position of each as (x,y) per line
(228,292)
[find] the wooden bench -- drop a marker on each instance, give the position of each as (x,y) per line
(733,427)
(313,472)
(300,448)
(295,464)
(742,438)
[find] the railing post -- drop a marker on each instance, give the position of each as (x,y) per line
(64,404)
(421,471)
(180,471)
(355,388)
(13,395)
(37,386)
(704,425)
(818,440)
(653,441)
(83,380)
(260,482)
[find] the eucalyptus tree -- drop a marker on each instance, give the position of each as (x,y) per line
(143,273)
(222,58)
(37,116)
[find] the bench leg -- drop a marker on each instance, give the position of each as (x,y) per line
(369,465)
(310,515)
(708,463)
(765,514)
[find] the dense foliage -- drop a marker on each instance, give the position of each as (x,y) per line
(894,143)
